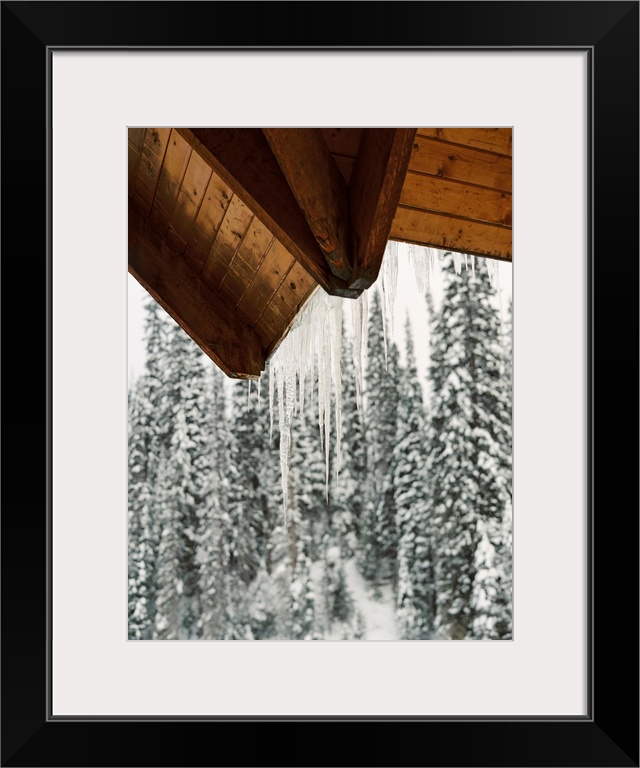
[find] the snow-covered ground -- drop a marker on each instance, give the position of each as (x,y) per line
(377,612)
(379,615)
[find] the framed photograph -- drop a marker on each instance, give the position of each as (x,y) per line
(564,77)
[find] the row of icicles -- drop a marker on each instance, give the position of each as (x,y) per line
(312,350)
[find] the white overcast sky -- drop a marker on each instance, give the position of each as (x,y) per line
(408,301)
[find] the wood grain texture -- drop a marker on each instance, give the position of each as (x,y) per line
(135,142)
(437,158)
(445,232)
(221,333)
(374,191)
(435,194)
(343,141)
(149,167)
(174,166)
(244,161)
(190,198)
(294,288)
(212,211)
(319,189)
(490,139)
(231,232)
(267,280)
(246,262)
(345,166)
(289,301)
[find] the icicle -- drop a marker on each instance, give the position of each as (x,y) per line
(420,262)
(272,383)
(494,273)
(280,388)
(249,393)
(489,271)
(322,389)
(498,272)
(492,269)
(259,389)
(286,400)
(336,377)
(384,333)
(359,326)
(424,265)
(364,342)
(466,263)
(457,263)
(314,342)
(356,344)
(434,256)
(388,284)
(301,384)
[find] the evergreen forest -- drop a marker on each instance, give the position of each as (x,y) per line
(404,534)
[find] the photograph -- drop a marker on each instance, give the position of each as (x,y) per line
(337,465)
(334,313)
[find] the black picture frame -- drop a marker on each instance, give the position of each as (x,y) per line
(608,735)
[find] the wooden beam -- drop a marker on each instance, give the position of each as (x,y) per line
(318,187)
(168,277)
(374,192)
(243,159)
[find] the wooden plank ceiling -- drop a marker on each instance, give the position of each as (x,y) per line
(457,192)
(231,230)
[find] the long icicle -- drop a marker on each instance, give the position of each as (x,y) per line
(312,351)
(388,286)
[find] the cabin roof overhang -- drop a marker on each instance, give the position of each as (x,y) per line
(232,229)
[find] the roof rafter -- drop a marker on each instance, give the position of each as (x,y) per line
(374,191)
(319,188)
(243,158)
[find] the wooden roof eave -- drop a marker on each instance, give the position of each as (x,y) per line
(231,229)
(219,332)
(243,158)
(289,179)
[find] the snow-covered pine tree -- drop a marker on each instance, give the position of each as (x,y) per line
(492,596)
(302,611)
(468,459)
(167,582)
(270,590)
(270,479)
(311,496)
(350,490)
(141,538)
(188,466)
(282,595)
(146,441)
(415,591)
(379,535)
(507,523)
(251,510)
(508,383)
(213,550)
(249,501)
(342,617)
